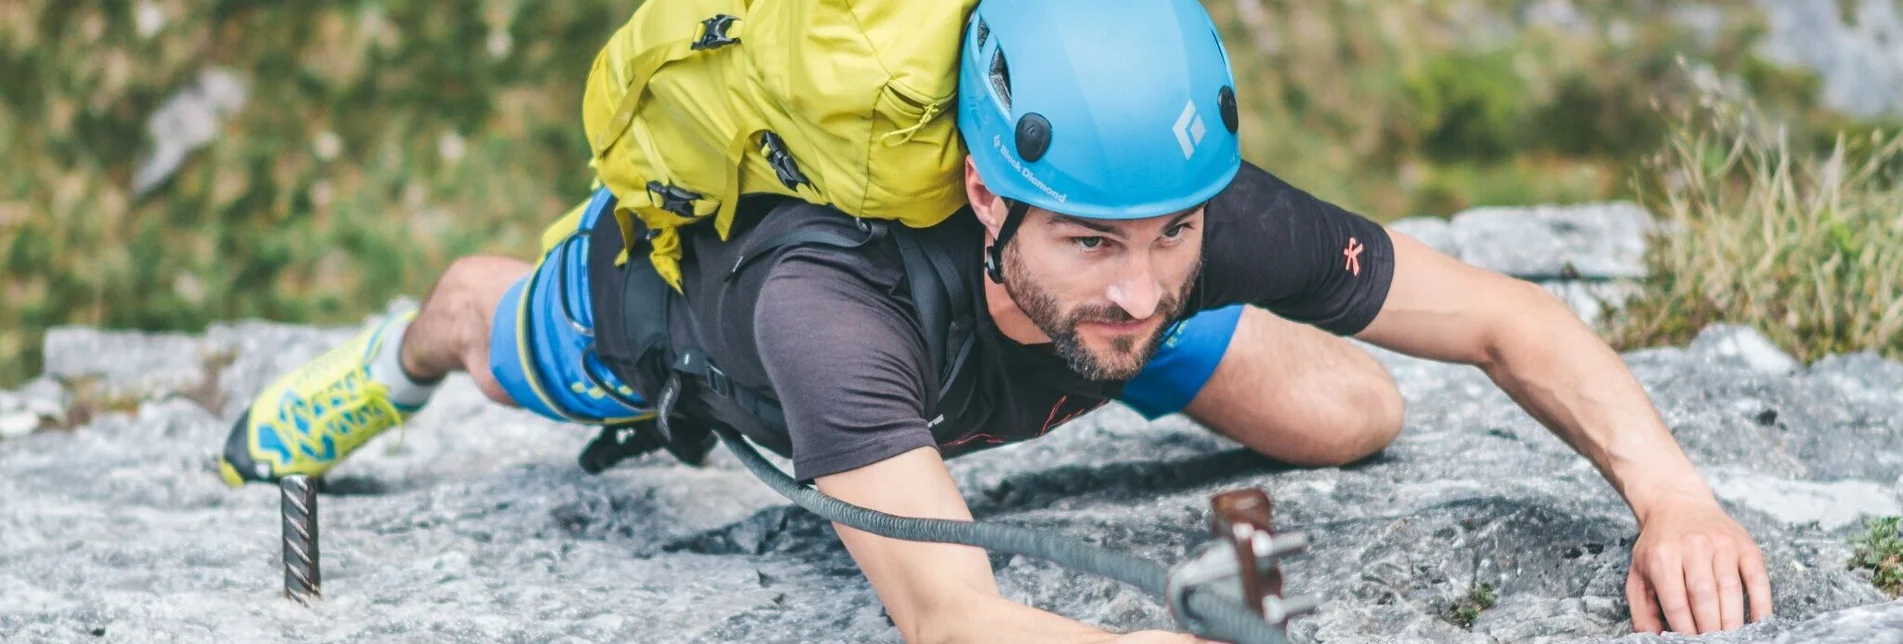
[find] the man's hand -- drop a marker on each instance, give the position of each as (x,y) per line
(1698,566)
(1691,559)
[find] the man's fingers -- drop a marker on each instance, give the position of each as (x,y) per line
(1645,609)
(1666,572)
(1730,589)
(1757,583)
(1701,586)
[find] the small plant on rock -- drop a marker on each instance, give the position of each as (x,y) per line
(1467,609)
(1880,550)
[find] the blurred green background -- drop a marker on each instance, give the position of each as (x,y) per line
(321,158)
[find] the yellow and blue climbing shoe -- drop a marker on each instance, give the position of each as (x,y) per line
(311,418)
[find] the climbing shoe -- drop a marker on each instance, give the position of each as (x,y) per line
(310,419)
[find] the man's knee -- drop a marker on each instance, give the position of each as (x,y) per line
(1377,414)
(1300,395)
(487,383)
(478,281)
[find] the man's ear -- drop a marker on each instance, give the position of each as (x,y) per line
(987,205)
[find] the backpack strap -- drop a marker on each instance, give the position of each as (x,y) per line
(947,314)
(872,231)
(694,362)
(945,303)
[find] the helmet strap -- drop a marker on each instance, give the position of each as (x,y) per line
(994,255)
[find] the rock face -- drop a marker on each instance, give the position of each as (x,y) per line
(1590,255)
(476,523)
(1855,46)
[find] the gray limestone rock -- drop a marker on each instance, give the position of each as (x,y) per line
(1856,46)
(476,523)
(1604,241)
(1432,231)
(1743,346)
(1591,299)
(125,363)
(1592,241)
(1589,255)
(37,404)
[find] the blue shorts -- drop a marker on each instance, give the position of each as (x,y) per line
(1189,355)
(541,343)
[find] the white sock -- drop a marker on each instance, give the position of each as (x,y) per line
(387,367)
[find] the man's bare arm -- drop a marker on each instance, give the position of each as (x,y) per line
(939,592)
(1550,362)
(1538,351)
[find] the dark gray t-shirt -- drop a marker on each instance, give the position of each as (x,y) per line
(833,333)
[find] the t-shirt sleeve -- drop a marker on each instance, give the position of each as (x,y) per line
(1270,244)
(847,361)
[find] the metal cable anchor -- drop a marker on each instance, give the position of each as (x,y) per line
(1241,563)
(302,581)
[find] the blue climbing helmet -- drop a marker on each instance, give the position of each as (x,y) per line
(1103,109)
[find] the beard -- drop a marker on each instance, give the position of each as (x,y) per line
(1127,354)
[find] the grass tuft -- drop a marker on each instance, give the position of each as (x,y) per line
(1805,247)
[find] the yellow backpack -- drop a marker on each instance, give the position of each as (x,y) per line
(847,103)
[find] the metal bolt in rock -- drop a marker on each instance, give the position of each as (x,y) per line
(299,507)
(1242,563)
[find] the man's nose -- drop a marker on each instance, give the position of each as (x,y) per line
(1135,289)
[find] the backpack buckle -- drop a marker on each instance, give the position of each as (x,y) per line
(673,198)
(782,161)
(718,381)
(713,33)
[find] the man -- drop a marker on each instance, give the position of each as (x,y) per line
(1127,253)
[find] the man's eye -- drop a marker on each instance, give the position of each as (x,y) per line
(1175,231)
(1089,243)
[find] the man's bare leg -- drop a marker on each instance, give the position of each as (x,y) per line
(1299,394)
(451,330)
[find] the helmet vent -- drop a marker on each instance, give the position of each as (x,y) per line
(1226,105)
(1001,78)
(984,33)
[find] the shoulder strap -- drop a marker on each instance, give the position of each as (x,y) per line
(947,315)
(869,230)
(946,312)
(694,362)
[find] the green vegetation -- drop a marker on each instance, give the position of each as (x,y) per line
(1409,108)
(1880,550)
(379,139)
(1805,246)
(1467,609)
